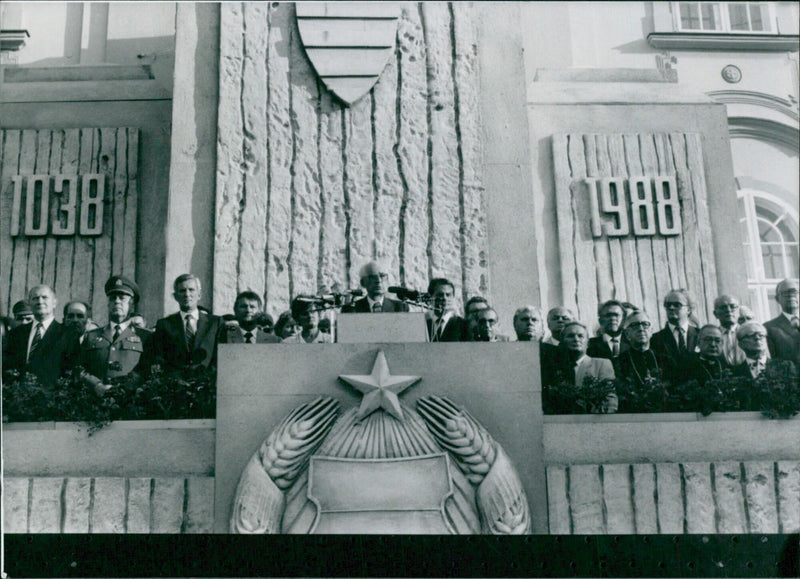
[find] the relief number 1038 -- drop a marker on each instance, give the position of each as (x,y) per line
(646,205)
(66,215)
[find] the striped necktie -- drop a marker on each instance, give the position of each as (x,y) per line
(190,332)
(37,338)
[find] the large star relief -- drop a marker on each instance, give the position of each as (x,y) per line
(380,389)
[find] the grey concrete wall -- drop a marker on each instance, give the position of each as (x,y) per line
(602,108)
(308,190)
(674,498)
(190,206)
(108,504)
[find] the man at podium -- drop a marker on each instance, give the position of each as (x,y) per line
(375,280)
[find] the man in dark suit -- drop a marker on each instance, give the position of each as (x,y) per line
(374,279)
(783,332)
(609,343)
(117,349)
(443,323)
(189,337)
(709,362)
(245,330)
(43,347)
(678,339)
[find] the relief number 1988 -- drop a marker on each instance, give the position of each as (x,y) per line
(648,205)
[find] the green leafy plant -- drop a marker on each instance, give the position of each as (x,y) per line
(653,395)
(591,396)
(776,392)
(162,396)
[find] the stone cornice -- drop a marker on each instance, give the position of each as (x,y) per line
(12,40)
(716,41)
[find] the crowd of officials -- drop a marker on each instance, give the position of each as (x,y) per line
(625,345)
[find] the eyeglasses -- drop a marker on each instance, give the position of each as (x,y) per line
(674,305)
(637,325)
(759,336)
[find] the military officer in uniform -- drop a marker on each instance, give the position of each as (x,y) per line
(118,348)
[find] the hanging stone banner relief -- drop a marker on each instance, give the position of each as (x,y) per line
(348,44)
(68,205)
(633,220)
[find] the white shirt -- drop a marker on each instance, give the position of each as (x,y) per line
(674,330)
(437,324)
(789,317)
(109,331)
(372,303)
(195,314)
(45,325)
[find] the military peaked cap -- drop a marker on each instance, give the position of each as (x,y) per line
(121,284)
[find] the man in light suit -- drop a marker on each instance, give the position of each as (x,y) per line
(573,365)
(245,330)
(673,344)
(43,347)
(783,332)
(726,310)
(443,323)
(189,337)
(374,279)
(117,349)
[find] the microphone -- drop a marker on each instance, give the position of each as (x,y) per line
(407,294)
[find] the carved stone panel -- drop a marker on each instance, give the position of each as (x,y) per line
(68,205)
(633,220)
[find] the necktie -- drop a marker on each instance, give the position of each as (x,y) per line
(248,337)
(437,332)
(37,338)
(117,331)
(190,331)
(754,368)
(681,341)
(377,307)
(615,346)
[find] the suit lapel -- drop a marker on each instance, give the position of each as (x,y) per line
(50,336)
(202,328)
(177,327)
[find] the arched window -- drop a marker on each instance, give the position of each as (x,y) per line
(770,230)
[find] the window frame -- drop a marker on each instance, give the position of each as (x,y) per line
(760,287)
(771,20)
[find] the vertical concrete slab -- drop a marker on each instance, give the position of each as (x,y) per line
(670,498)
(77,498)
(586,499)
(557,501)
(45,505)
(168,505)
(15,504)
(190,210)
(700,507)
(108,506)
(139,512)
(200,505)
(617,495)
(644,498)
(511,229)
(730,499)
(789,496)
(760,496)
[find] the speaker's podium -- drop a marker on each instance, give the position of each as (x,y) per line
(380,433)
(394,328)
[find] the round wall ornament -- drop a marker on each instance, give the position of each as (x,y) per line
(732,74)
